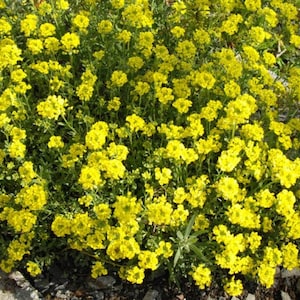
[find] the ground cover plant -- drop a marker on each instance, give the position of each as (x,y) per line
(151,136)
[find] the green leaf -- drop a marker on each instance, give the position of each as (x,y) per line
(189,226)
(179,235)
(177,256)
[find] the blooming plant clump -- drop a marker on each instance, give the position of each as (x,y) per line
(151,136)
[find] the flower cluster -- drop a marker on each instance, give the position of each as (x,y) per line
(151,136)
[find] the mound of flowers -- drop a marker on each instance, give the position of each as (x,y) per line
(151,135)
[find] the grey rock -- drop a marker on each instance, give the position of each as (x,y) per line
(101,283)
(14,286)
(290,273)
(250,297)
(151,295)
(97,295)
(298,285)
(285,296)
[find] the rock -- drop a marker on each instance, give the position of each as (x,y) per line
(250,297)
(101,283)
(234,298)
(97,295)
(285,296)
(298,286)
(14,286)
(151,295)
(290,273)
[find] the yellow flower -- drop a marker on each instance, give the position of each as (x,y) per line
(98,270)
(33,268)
(148,260)
(270,16)
(52,107)
(90,178)
(95,139)
(228,160)
(234,287)
(164,249)
(243,216)
(186,50)
(81,21)
(182,105)
(70,41)
(135,122)
(52,44)
(102,211)
(17,134)
(164,95)
(159,213)
(266,274)
(118,78)
(204,79)
(251,54)
(265,198)
(29,24)
(253,5)
(142,88)
(61,226)
(62,4)
(105,27)
(9,56)
(18,75)
(135,62)
(228,188)
(55,142)
(126,208)
(178,31)
(26,172)
(135,275)
(123,248)
(202,276)
(137,15)
(254,240)
(163,175)
(285,201)
(258,35)
(99,54)
(81,224)
(5,27)
(17,149)
(20,220)
(230,26)
(47,29)
(33,197)
(117,3)
(210,111)
(2,5)
(290,256)
(201,37)
(124,36)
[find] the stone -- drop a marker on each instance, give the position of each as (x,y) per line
(14,286)
(151,295)
(250,297)
(285,296)
(290,273)
(298,286)
(101,283)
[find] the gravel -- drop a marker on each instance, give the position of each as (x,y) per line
(15,286)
